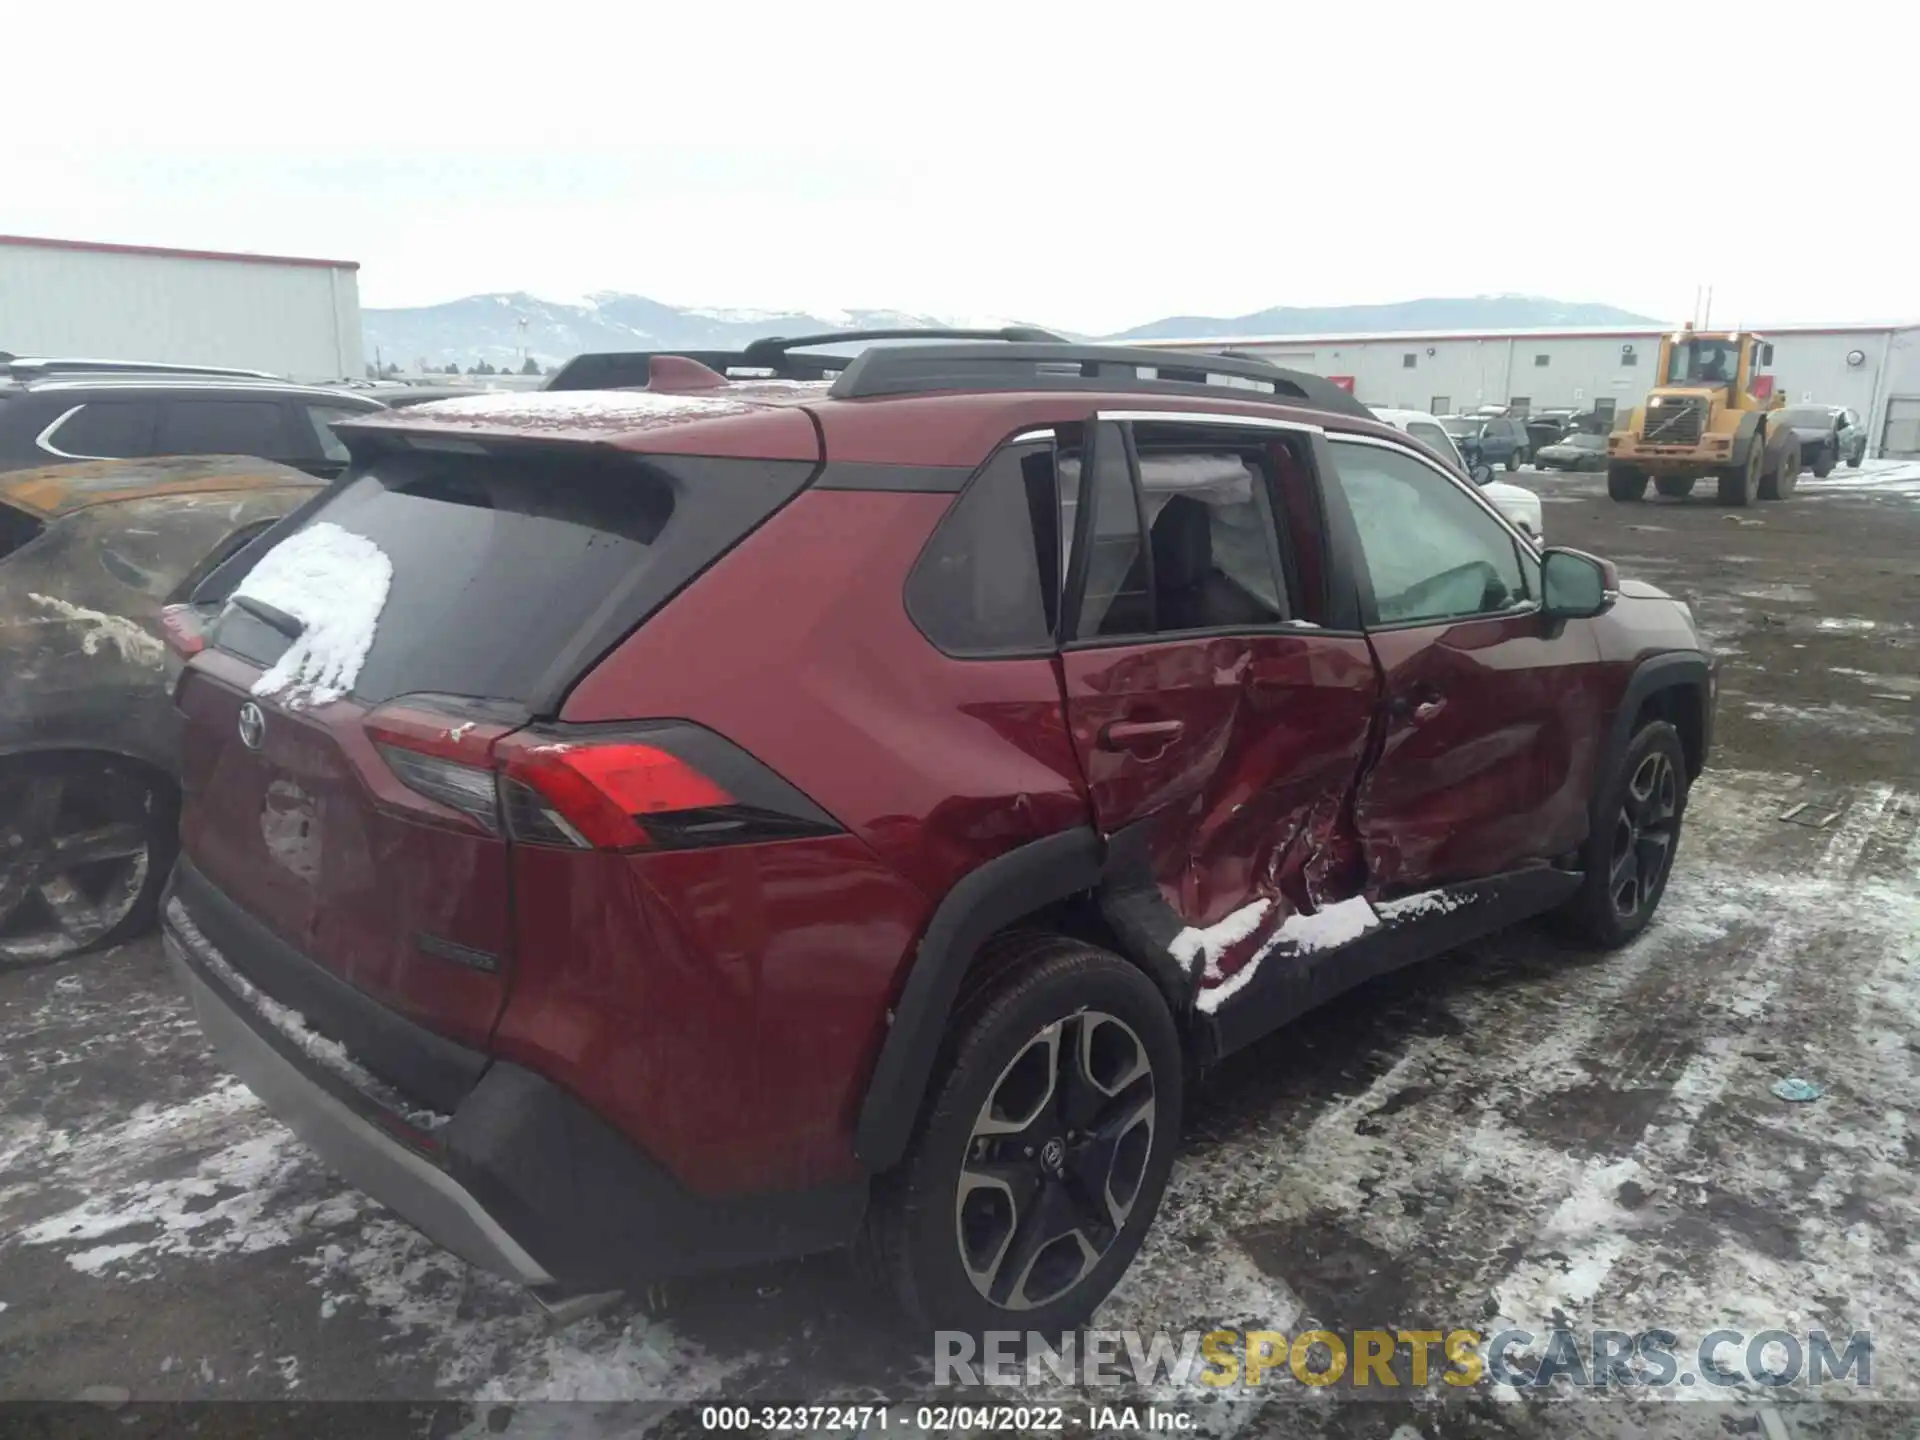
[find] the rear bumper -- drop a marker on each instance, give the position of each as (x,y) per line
(520,1178)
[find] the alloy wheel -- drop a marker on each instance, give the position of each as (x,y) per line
(1643,836)
(1055,1160)
(74,859)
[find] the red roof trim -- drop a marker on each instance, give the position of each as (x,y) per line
(41,242)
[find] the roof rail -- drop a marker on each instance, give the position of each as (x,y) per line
(26,367)
(625,369)
(911,369)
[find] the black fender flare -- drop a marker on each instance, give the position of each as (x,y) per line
(982,903)
(1672,670)
(1750,426)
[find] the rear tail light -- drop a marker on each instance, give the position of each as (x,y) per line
(185,633)
(671,786)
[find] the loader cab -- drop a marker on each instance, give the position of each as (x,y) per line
(1741,363)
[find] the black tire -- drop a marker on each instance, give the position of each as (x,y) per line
(127,817)
(1853,460)
(919,1215)
(1674,487)
(1626,484)
(1780,482)
(1740,483)
(1595,915)
(1824,463)
(1515,460)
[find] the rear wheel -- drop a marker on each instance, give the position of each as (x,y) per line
(1739,483)
(1636,831)
(1040,1161)
(1515,459)
(1853,460)
(84,850)
(1625,483)
(1823,463)
(1674,487)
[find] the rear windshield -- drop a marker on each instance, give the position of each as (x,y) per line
(510,573)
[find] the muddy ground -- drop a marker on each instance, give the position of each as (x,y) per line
(1510,1136)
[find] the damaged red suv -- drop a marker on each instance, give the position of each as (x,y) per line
(638,830)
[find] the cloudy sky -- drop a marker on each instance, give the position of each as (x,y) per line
(1086,166)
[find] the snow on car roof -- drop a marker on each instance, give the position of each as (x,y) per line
(595,414)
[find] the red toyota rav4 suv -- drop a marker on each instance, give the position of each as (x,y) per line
(630,831)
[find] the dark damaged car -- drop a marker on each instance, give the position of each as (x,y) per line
(89,555)
(636,832)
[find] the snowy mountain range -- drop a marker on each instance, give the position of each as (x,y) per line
(502,329)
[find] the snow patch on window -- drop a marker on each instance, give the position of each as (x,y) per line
(1325,929)
(335,584)
(1210,942)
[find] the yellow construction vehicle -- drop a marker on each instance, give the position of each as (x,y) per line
(1708,414)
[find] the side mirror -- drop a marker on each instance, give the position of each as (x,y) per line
(1575,585)
(1481,472)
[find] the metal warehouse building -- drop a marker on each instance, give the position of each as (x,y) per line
(293,317)
(1874,369)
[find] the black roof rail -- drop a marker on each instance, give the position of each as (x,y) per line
(26,367)
(912,369)
(621,369)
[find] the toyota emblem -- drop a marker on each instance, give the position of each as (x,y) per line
(253,725)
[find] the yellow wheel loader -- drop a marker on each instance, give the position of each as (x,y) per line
(1707,416)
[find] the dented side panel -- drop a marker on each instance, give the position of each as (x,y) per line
(1489,738)
(1251,802)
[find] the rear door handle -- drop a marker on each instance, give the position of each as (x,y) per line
(1141,734)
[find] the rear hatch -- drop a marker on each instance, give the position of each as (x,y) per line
(342,722)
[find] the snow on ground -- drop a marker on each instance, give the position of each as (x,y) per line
(335,584)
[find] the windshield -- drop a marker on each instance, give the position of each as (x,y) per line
(1584,442)
(1703,362)
(1464,425)
(1805,417)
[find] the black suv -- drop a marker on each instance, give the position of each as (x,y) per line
(54,411)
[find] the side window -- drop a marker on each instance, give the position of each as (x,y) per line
(988,580)
(103,430)
(1206,506)
(224,427)
(1431,551)
(322,418)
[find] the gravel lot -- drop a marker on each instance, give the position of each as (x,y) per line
(1506,1135)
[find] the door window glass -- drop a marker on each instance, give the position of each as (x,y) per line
(1431,551)
(1211,534)
(223,427)
(1112,568)
(105,430)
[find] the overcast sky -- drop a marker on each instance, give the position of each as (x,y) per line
(1085,166)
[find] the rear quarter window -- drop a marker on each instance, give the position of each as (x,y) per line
(987,580)
(103,430)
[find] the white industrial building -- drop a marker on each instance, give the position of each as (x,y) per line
(293,317)
(1875,369)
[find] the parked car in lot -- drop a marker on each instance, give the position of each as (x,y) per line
(55,411)
(1827,434)
(1576,451)
(1493,438)
(88,556)
(633,832)
(1518,504)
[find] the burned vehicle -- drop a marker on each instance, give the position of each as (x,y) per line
(89,554)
